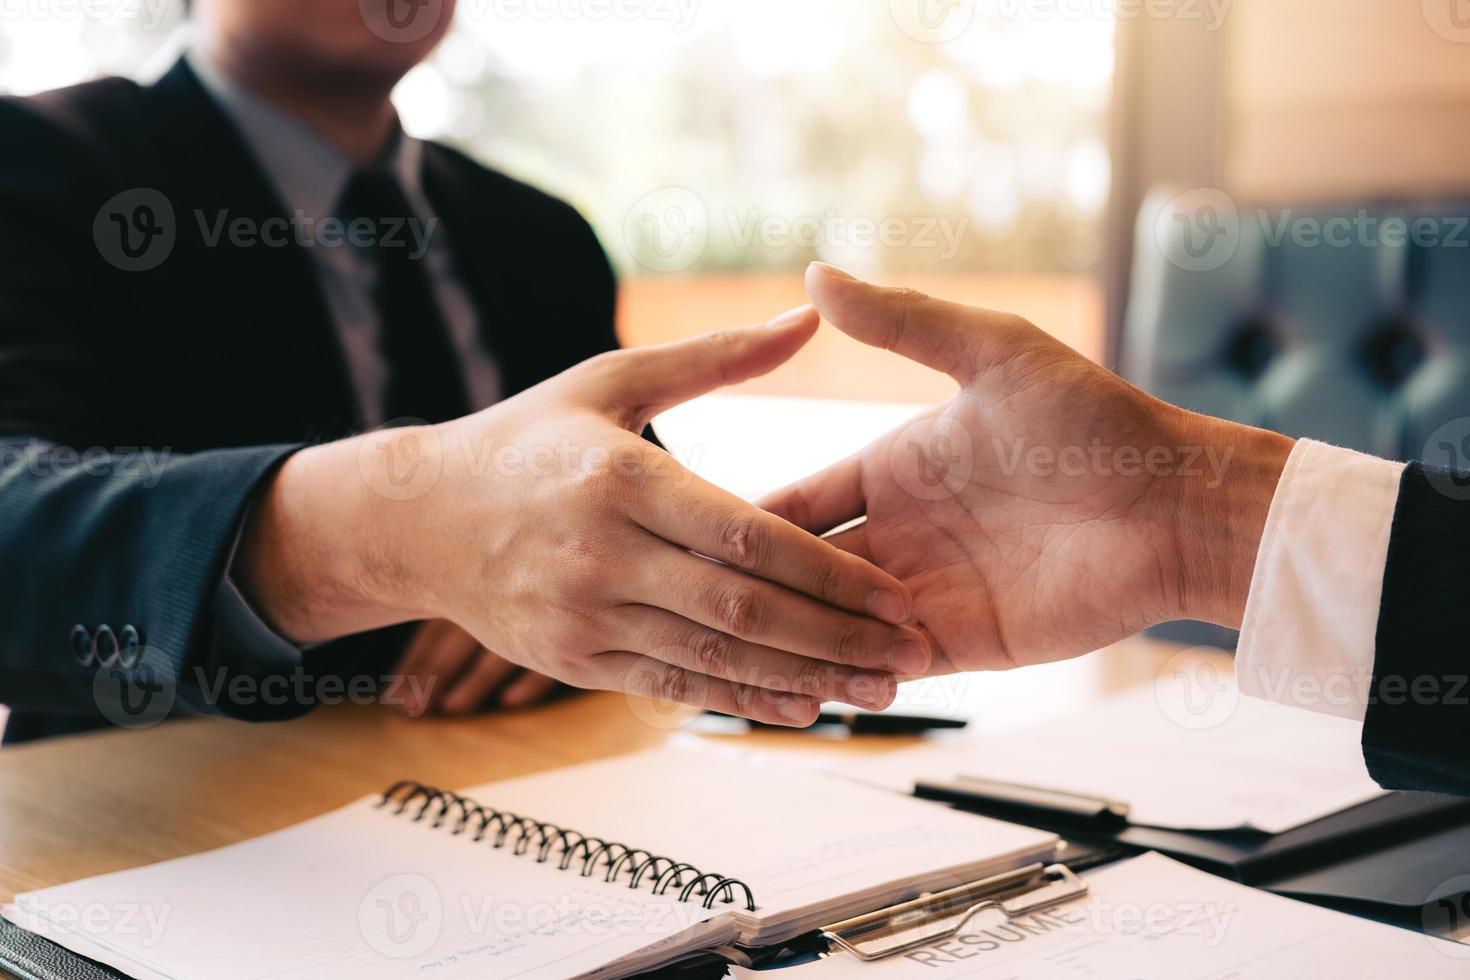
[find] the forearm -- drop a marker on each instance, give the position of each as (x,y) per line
(106,542)
(316,559)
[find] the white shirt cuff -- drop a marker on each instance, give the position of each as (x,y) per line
(1307,638)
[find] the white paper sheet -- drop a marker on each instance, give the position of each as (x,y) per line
(358,893)
(1177,764)
(1151,918)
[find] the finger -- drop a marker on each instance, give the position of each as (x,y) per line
(635,385)
(691,513)
(730,601)
(687,644)
(649,678)
(437,653)
(853,540)
(942,335)
(824,500)
(485,676)
(527,689)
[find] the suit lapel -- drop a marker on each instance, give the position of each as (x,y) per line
(261,305)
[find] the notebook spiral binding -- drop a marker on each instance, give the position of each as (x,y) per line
(640,866)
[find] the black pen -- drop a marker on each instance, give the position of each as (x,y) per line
(862,723)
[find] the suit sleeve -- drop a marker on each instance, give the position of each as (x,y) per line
(111,551)
(1417,731)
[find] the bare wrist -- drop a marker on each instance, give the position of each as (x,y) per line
(1221,513)
(305,560)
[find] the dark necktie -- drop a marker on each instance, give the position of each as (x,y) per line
(425,378)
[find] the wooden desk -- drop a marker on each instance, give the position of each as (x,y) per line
(102,802)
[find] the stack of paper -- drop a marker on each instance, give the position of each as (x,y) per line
(1259,765)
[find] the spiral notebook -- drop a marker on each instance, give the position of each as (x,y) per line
(684,850)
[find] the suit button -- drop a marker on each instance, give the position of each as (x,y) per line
(104,645)
(81,645)
(132,645)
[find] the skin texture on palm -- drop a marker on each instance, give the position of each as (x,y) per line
(1049,508)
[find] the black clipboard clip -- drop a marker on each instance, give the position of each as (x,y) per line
(940,915)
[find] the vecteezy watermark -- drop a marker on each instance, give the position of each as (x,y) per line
(671,229)
(406,459)
(664,696)
(679,15)
(141,691)
(404,915)
(667,230)
(1447,451)
(1194,689)
(300,230)
(933,457)
(148,13)
(401,916)
(1099,459)
(986,933)
(403,21)
(933,21)
(1198,230)
(140,923)
(1446,915)
(134,230)
(1201,230)
(138,229)
(138,694)
(302,688)
(1211,13)
(1450,19)
(832,231)
(411,21)
(940,21)
(38,458)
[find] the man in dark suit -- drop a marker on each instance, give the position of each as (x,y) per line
(1051,508)
(210,284)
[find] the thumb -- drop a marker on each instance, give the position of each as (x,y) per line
(648,380)
(942,335)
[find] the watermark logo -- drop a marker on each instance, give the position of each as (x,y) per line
(1450,19)
(135,230)
(1194,692)
(663,698)
(933,457)
(932,21)
(402,461)
(1449,446)
(667,230)
(138,696)
(402,21)
(401,916)
(1199,230)
(1446,915)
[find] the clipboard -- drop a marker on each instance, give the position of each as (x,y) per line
(940,915)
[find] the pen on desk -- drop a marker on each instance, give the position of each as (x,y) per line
(978,790)
(862,723)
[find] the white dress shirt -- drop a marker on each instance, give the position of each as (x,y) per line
(1310,626)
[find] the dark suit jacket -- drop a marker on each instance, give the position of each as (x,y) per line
(222,357)
(1417,731)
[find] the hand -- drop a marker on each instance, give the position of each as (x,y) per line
(1049,508)
(560,539)
(458,676)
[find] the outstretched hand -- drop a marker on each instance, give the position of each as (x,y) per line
(1049,508)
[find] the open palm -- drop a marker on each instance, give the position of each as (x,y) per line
(1031,514)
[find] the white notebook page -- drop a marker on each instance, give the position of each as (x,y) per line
(361,894)
(798,838)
